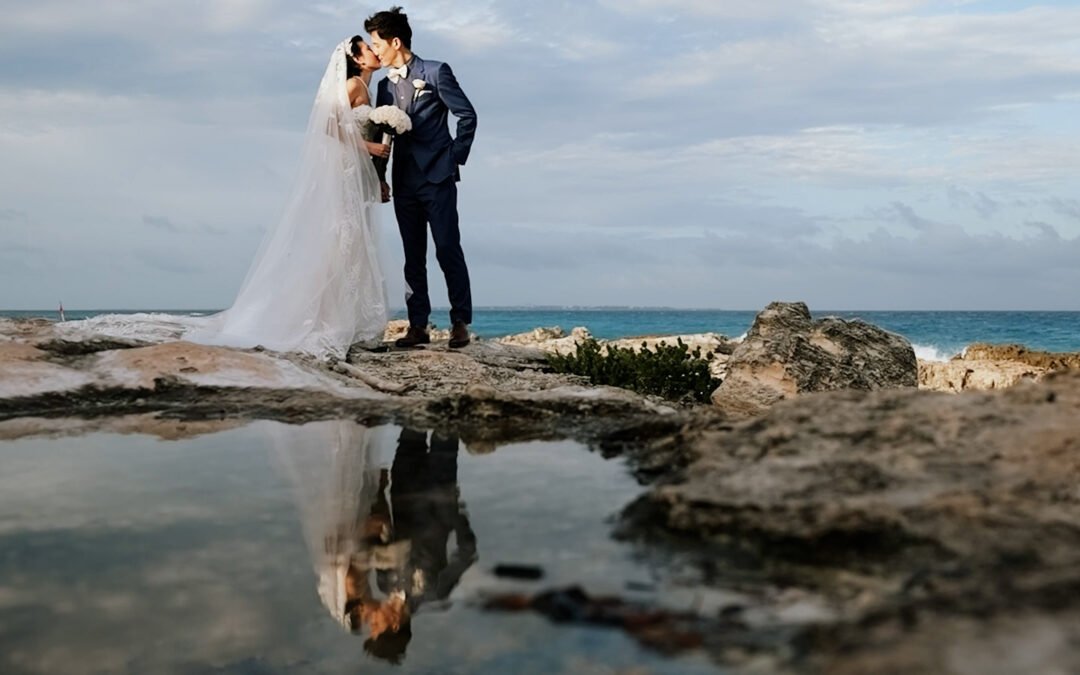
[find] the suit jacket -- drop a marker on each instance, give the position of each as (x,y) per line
(429,143)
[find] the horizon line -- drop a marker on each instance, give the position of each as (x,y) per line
(609,308)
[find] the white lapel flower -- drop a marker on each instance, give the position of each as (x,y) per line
(419,86)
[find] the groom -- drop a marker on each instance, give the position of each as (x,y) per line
(425,173)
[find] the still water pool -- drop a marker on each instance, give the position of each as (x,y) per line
(271,548)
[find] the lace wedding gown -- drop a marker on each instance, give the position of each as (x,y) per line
(315,285)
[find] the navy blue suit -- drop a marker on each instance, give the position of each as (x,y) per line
(424,178)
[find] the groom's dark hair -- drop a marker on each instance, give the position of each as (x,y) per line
(389,25)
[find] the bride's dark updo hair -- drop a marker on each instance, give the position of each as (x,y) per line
(351,69)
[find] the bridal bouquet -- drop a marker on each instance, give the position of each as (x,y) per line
(362,114)
(380,125)
(388,121)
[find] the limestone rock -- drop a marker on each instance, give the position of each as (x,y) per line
(54,367)
(552,340)
(1021,354)
(913,477)
(955,514)
(508,388)
(786,353)
(24,371)
(975,374)
(984,367)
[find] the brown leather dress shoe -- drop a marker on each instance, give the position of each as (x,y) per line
(415,337)
(459,335)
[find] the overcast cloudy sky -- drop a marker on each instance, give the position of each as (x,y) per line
(877,154)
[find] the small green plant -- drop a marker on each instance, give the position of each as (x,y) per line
(671,371)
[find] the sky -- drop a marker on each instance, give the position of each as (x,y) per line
(878,154)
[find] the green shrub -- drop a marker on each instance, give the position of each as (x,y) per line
(671,371)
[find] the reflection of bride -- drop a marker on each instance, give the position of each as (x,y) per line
(340,482)
(315,285)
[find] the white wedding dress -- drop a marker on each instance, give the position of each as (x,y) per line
(315,285)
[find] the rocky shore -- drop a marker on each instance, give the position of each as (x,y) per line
(980,367)
(488,392)
(873,525)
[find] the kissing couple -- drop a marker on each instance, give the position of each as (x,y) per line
(316,283)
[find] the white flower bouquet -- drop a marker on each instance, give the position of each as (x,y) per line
(383,124)
(388,120)
(362,114)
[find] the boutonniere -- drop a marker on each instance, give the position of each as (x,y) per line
(419,86)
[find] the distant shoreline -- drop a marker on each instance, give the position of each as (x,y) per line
(547,308)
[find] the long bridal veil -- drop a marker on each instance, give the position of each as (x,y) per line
(315,284)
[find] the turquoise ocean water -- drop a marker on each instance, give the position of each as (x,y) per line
(934,334)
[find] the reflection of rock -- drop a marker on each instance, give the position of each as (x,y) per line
(786,353)
(660,629)
(153,425)
(903,507)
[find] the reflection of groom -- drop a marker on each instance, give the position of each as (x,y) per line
(427,509)
(425,174)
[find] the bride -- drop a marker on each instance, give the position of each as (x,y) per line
(315,285)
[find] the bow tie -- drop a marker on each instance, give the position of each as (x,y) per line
(397,74)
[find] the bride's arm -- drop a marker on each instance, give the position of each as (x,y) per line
(358,96)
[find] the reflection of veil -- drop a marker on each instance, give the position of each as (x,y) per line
(334,468)
(315,284)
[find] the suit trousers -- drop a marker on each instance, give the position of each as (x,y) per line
(418,204)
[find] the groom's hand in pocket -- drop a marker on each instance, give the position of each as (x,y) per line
(385,192)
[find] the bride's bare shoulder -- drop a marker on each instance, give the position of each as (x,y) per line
(357,91)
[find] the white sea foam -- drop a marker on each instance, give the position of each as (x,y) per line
(930,353)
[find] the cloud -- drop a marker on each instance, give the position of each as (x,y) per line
(1070,208)
(615,140)
(1045,229)
(161,223)
(169,262)
(907,215)
(166,224)
(14,216)
(979,202)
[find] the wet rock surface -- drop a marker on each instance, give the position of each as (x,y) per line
(487,391)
